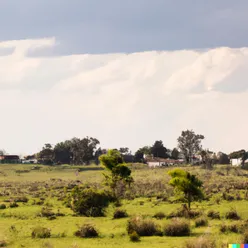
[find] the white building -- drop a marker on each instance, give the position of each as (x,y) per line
(237,161)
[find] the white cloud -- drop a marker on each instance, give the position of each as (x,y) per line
(122,99)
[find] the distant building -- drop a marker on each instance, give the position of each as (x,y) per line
(237,161)
(9,159)
(159,162)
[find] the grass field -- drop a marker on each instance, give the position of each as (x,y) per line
(150,194)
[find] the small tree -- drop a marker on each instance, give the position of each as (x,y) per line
(120,173)
(188,184)
(189,144)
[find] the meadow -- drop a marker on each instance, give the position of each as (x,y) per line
(28,194)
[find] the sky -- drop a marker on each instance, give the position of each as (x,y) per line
(125,72)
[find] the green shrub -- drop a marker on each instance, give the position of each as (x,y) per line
(41,232)
(201,221)
(202,242)
(183,211)
(143,227)
(178,228)
(119,213)
(86,231)
(232,214)
(3,243)
(231,228)
(89,202)
(46,212)
(245,238)
(159,215)
(2,206)
(134,237)
(213,214)
(13,205)
(21,199)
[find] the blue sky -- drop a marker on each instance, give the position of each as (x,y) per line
(95,26)
(125,72)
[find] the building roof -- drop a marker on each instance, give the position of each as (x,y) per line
(4,157)
(162,160)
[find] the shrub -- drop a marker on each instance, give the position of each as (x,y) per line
(202,221)
(230,228)
(183,211)
(86,231)
(134,237)
(41,232)
(21,199)
(13,205)
(213,214)
(2,206)
(159,215)
(46,212)
(89,202)
(245,238)
(3,243)
(119,213)
(143,227)
(201,242)
(232,214)
(178,228)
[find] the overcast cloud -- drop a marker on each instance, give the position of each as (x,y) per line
(127,72)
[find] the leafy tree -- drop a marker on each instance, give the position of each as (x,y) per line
(139,154)
(223,158)
(2,152)
(120,173)
(242,154)
(158,149)
(175,153)
(124,150)
(188,184)
(62,152)
(46,155)
(189,144)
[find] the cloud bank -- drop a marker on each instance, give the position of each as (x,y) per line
(122,99)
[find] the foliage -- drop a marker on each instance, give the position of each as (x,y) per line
(41,232)
(213,214)
(89,202)
(177,227)
(143,227)
(230,228)
(189,143)
(46,155)
(175,153)
(139,154)
(158,150)
(201,242)
(232,214)
(159,215)
(201,221)
(187,184)
(2,206)
(63,153)
(134,237)
(3,243)
(120,173)
(120,213)
(86,231)
(245,238)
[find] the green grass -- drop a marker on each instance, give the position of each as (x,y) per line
(16,224)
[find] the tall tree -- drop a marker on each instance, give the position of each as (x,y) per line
(175,153)
(139,154)
(158,149)
(62,152)
(188,184)
(124,150)
(222,158)
(189,144)
(46,155)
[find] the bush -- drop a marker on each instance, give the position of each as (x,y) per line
(41,232)
(213,214)
(119,213)
(21,199)
(202,221)
(201,242)
(230,228)
(2,206)
(86,231)
(177,228)
(13,205)
(183,211)
(159,215)
(3,243)
(143,227)
(89,202)
(46,212)
(245,238)
(134,237)
(232,214)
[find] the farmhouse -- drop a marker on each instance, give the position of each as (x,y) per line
(9,159)
(237,161)
(158,162)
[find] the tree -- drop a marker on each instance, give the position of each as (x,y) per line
(124,150)
(189,144)
(139,154)
(208,159)
(62,152)
(120,173)
(2,152)
(158,150)
(242,154)
(188,184)
(222,158)
(175,153)
(46,155)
